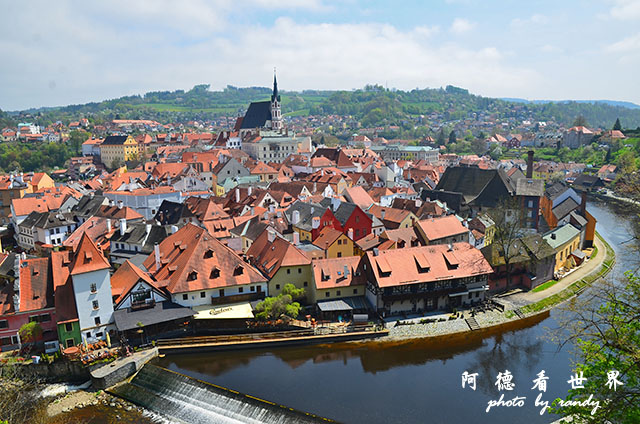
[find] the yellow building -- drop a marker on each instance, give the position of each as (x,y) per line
(39,181)
(334,243)
(117,149)
(337,278)
(564,241)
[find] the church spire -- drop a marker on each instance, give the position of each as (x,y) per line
(275,96)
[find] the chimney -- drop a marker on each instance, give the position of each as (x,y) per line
(315,222)
(249,191)
(120,204)
(108,225)
(346,271)
(315,187)
(265,216)
(450,247)
(350,233)
(271,235)
(296,238)
(148,229)
(376,251)
(583,204)
(237,195)
(295,217)
(335,203)
(530,164)
(173,229)
(253,211)
(156,254)
(418,203)
(123,226)
(382,213)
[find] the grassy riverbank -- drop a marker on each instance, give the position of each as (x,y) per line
(577,286)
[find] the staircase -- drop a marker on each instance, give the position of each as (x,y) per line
(472,323)
(518,313)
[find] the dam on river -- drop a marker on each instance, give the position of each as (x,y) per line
(189,400)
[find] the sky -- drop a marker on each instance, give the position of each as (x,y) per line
(70,52)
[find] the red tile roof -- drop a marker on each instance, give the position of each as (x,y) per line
(36,285)
(329,273)
(125,278)
(26,205)
(327,237)
(438,228)
(191,259)
(88,257)
(427,264)
(270,256)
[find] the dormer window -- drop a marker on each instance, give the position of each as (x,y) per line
(193,275)
(215,273)
(239,270)
(208,254)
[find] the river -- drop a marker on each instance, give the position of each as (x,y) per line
(415,381)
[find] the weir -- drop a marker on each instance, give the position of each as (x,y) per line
(189,400)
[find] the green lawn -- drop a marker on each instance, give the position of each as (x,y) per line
(544,286)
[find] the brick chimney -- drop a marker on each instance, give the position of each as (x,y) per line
(530,164)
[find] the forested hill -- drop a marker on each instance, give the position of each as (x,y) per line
(373,106)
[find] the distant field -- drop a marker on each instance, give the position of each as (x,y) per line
(163,107)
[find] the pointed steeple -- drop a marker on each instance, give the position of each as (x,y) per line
(88,257)
(275,96)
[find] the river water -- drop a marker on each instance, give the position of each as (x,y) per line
(414,381)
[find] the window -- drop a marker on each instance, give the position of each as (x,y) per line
(339,254)
(240,289)
(288,271)
(305,284)
(69,342)
(94,288)
(339,242)
(45,318)
(96,320)
(277,286)
(99,335)
(96,305)
(530,203)
(355,291)
(203,294)
(221,292)
(88,334)
(14,340)
(4,323)
(327,294)
(185,296)
(253,288)
(299,270)
(338,293)
(68,327)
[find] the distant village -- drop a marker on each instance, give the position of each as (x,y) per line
(158,229)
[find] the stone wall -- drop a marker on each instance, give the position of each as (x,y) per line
(57,372)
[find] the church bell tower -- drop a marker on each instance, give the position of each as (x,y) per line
(276,113)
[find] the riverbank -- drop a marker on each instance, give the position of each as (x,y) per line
(519,306)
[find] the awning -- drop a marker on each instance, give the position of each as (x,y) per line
(242,310)
(458,294)
(478,289)
(127,319)
(344,304)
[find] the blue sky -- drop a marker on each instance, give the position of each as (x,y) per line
(66,52)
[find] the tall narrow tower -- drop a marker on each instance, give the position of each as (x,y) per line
(276,114)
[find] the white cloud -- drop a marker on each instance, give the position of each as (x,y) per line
(625,9)
(461,25)
(536,20)
(631,43)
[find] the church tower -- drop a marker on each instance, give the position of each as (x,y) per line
(276,114)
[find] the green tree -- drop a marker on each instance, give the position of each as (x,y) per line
(30,332)
(604,326)
(580,121)
(627,162)
(452,137)
(617,125)
(76,138)
(441,139)
(284,304)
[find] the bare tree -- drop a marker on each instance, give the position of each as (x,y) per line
(508,216)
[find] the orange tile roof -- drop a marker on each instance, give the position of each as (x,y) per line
(427,264)
(63,287)
(441,227)
(36,285)
(270,256)
(26,205)
(189,260)
(329,273)
(95,227)
(327,237)
(114,212)
(88,257)
(359,196)
(125,278)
